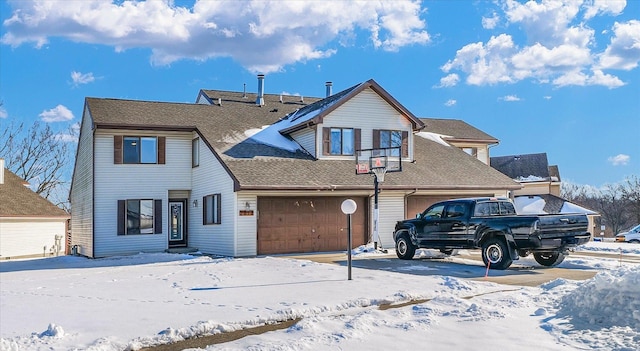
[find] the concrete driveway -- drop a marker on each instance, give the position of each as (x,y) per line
(468,264)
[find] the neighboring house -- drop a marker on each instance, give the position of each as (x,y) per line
(30,225)
(239,174)
(541,186)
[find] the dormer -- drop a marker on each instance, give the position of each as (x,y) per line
(363,116)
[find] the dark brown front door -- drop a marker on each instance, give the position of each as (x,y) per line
(307,224)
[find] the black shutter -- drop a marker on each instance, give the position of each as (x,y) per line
(219,208)
(204,210)
(405,144)
(356,139)
(157,216)
(117,149)
(376,138)
(121,216)
(326,141)
(161,150)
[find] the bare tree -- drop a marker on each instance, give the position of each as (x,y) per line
(40,157)
(630,189)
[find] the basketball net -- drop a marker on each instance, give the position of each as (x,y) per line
(379,172)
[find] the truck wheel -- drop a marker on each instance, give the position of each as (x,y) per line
(495,254)
(549,258)
(405,248)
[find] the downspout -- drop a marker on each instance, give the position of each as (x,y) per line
(406,196)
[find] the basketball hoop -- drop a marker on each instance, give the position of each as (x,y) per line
(379,173)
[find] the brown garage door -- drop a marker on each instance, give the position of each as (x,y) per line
(419,203)
(307,224)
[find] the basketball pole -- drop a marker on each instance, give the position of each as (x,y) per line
(376,235)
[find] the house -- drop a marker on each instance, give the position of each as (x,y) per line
(240,174)
(541,182)
(30,225)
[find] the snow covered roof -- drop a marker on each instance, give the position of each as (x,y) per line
(526,168)
(547,204)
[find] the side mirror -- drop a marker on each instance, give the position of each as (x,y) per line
(418,215)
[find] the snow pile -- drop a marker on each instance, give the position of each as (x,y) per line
(610,299)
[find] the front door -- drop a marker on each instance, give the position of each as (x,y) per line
(177,225)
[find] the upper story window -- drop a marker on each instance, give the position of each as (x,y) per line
(392,138)
(472,151)
(195,152)
(340,141)
(138,149)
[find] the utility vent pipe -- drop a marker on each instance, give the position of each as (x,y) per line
(244,90)
(260,99)
(329,85)
(280,98)
(301,98)
(219,101)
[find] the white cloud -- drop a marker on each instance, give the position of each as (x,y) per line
(547,97)
(510,98)
(450,102)
(490,22)
(3,113)
(261,35)
(57,114)
(619,160)
(450,80)
(624,50)
(559,47)
(82,78)
(66,137)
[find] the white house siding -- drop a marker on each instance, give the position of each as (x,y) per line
(82,190)
(367,111)
(136,181)
(307,139)
(390,210)
(211,178)
(31,237)
(246,225)
(483,154)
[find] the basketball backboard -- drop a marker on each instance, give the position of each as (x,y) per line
(367,160)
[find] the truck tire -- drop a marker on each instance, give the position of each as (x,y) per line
(549,259)
(495,254)
(405,250)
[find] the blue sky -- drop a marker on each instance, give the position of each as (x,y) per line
(559,77)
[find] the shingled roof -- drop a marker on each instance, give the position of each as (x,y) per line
(523,168)
(232,128)
(457,130)
(17,200)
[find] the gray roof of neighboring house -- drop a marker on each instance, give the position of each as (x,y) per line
(529,167)
(17,200)
(255,165)
(457,130)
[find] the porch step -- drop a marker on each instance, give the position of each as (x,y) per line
(181,250)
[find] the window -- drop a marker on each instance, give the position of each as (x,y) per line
(435,212)
(140,150)
(473,151)
(139,217)
(195,152)
(211,210)
(392,138)
(340,141)
(455,211)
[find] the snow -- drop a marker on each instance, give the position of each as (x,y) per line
(535,205)
(530,178)
(438,138)
(129,302)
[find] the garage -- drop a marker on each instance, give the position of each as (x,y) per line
(419,203)
(308,224)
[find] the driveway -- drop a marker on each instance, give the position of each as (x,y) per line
(468,264)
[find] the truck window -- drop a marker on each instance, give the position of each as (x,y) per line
(455,210)
(506,208)
(486,209)
(434,212)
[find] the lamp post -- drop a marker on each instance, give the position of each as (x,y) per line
(348,207)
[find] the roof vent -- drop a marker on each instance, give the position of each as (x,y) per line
(244,90)
(260,99)
(280,98)
(328,85)
(219,101)
(301,98)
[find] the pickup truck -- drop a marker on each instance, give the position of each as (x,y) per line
(492,225)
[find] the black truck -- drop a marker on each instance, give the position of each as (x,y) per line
(492,225)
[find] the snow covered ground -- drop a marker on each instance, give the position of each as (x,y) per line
(125,303)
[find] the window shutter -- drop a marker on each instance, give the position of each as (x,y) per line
(121,214)
(157,216)
(117,149)
(405,144)
(219,208)
(204,210)
(356,139)
(326,140)
(376,138)
(161,150)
